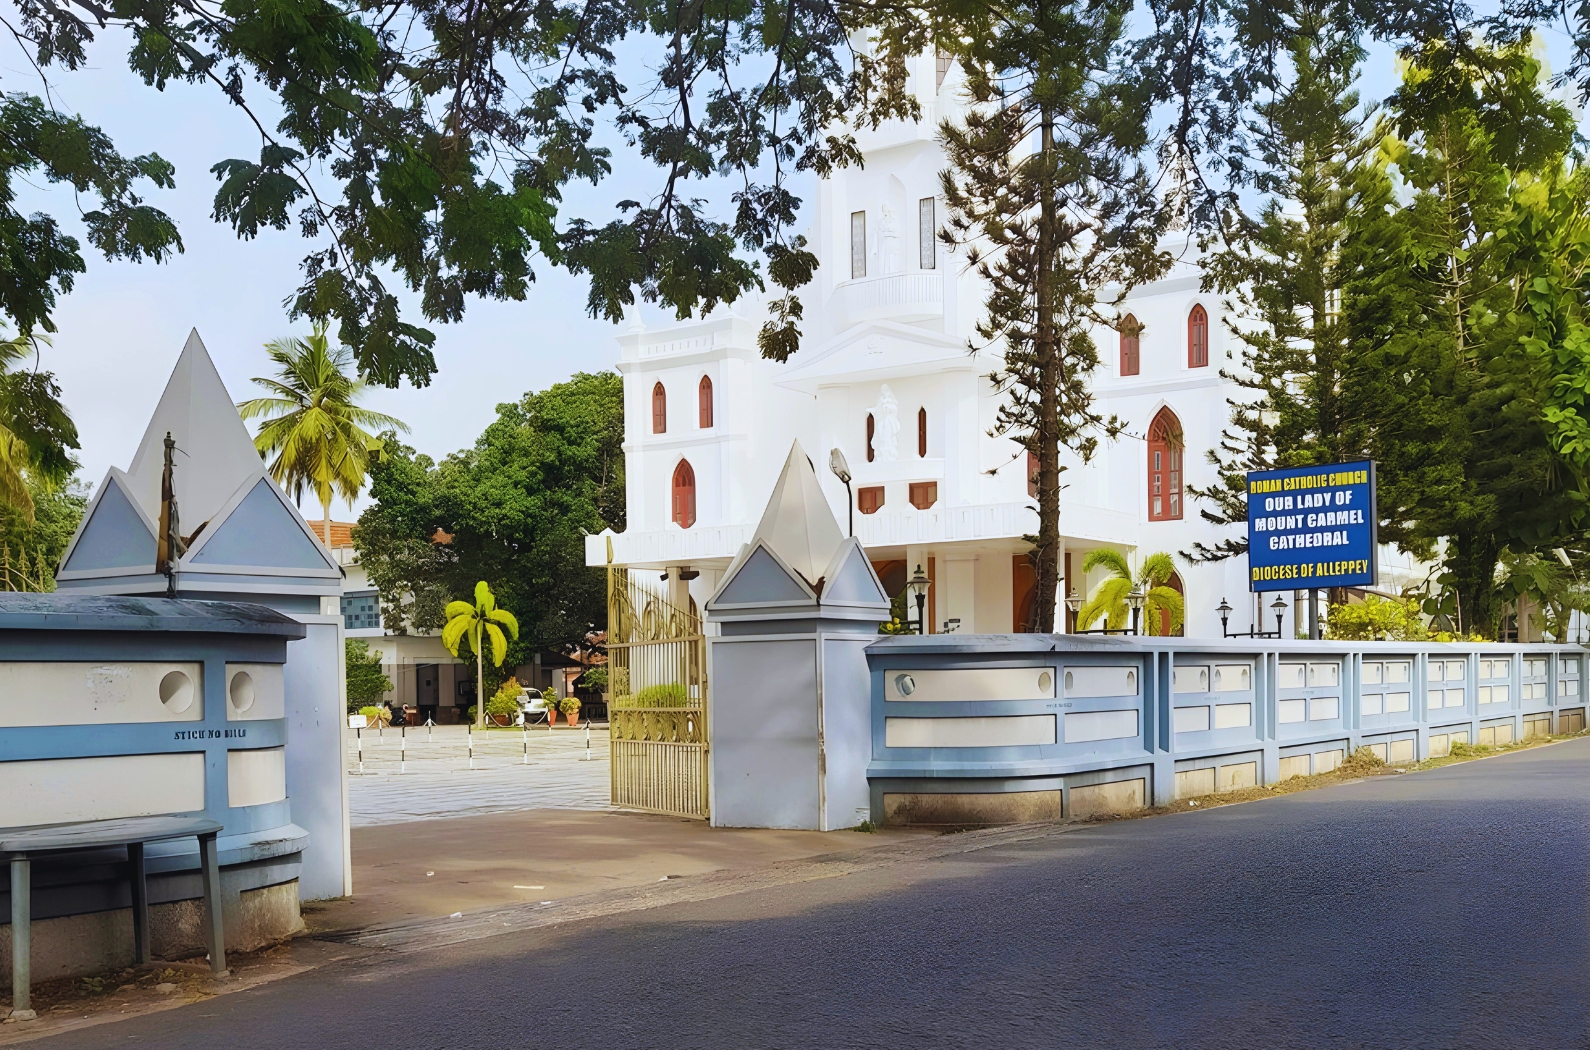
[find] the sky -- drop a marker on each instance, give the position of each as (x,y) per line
(123,324)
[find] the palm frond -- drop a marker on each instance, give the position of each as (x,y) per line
(499,644)
(1113,560)
(1156,569)
(453,633)
(1163,599)
(506,618)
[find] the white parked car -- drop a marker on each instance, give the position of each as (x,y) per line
(532,707)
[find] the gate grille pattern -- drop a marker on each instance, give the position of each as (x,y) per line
(656,656)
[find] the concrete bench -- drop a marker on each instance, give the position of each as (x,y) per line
(21,845)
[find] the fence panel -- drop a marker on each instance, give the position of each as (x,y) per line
(657,720)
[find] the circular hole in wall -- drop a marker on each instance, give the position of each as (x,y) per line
(905,684)
(1045,682)
(242,691)
(176,691)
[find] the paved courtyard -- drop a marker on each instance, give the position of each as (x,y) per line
(431,777)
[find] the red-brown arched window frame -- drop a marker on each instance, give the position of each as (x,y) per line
(1131,358)
(659,410)
(1164,467)
(704,396)
(1197,338)
(1175,584)
(684,495)
(872,428)
(921,433)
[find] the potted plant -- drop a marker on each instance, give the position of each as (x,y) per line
(552,709)
(570,706)
(504,704)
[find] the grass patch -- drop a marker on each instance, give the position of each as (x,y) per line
(1359,765)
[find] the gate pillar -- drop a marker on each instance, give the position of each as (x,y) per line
(790,720)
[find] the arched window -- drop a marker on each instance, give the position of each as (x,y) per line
(684,495)
(659,410)
(1131,361)
(921,433)
(1175,584)
(704,396)
(872,427)
(1197,338)
(1164,467)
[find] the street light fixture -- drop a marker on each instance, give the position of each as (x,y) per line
(1073,606)
(1279,608)
(1225,615)
(841,469)
(917,587)
(1135,600)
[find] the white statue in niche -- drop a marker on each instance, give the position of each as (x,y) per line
(886,440)
(891,239)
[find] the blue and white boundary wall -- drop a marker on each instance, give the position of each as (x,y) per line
(104,720)
(969,729)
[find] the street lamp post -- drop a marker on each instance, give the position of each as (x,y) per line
(1073,606)
(1224,609)
(917,587)
(841,469)
(1135,600)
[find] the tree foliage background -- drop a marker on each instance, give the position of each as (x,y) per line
(513,511)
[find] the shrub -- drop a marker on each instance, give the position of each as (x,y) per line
(503,705)
(569,705)
(670,696)
(366,681)
(595,680)
(1377,619)
(376,715)
(1364,760)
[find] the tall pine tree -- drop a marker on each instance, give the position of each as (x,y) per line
(1280,270)
(1048,188)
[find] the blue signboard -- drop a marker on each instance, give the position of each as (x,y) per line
(1311,527)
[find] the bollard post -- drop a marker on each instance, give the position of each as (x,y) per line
(471,745)
(524,740)
(403,749)
(587,740)
(359,735)
(428,724)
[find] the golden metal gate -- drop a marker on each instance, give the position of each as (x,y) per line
(657,720)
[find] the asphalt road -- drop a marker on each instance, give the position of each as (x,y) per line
(1442,909)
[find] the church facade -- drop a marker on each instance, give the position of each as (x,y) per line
(889,374)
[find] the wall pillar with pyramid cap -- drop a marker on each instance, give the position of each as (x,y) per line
(245,541)
(788,707)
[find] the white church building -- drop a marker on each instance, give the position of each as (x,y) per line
(885,374)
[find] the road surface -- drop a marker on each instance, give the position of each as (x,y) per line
(1441,909)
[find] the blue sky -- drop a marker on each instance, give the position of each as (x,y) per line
(123,324)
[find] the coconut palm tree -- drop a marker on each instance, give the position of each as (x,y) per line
(313,424)
(473,624)
(1109,598)
(36,433)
